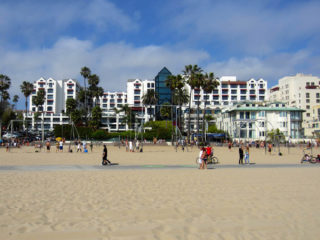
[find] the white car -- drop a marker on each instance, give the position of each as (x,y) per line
(9,135)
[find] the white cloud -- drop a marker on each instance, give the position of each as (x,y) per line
(115,63)
(37,22)
(271,68)
(248,27)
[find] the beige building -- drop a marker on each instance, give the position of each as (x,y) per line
(301,91)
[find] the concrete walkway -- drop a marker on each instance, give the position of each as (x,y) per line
(145,167)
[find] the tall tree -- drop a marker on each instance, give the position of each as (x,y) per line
(180,98)
(5,83)
(209,84)
(15,100)
(96,117)
(85,72)
(39,100)
(129,116)
(26,89)
(191,72)
(150,98)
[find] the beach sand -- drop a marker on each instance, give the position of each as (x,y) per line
(155,203)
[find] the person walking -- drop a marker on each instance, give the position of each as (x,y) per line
(105,160)
(246,155)
(200,158)
(240,154)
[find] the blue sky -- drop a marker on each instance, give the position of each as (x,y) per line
(126,39)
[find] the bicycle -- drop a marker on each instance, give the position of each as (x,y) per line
(210,160)
(309,158)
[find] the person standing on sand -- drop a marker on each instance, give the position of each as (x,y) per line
(246,155)
(48,146)
(240,154)
(200,158)
(105,160)
(269,148)
(91,146)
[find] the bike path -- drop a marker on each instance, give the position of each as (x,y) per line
(147,167)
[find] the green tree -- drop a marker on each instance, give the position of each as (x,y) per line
(85,73)
(96,117)
(15,101)
(26,89)
(149,99)
(129,116)
(191,73)
(71,105)
(5,83)
(180,98)
(208,85)
(38,100)
(7,116)
(275,135)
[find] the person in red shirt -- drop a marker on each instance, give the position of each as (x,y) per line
(209,150)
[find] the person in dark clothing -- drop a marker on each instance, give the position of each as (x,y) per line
(240,155)
(105,161)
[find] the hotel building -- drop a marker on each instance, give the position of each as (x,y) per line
(301,91)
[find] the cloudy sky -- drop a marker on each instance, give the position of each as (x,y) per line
(126,39)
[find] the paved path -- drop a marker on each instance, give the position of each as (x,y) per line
(144,167)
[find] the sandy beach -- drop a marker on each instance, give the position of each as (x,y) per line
(156,203)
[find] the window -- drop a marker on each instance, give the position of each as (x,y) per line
(253,115)
(241,115)
(262,113)
(49,109)
(233,91)
(49,96)
(148,85)
(318,95)
(308,106)
(308,114)
(50,90)
(261,124)
(152,85)
(136,97)
(247,115)
(261,134)
(307,100)
(252,91)
(307,95)
(50,84)
(243,98)
(136,91)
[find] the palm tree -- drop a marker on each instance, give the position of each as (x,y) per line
(208,85)
(180,98)
(129,116)
(150,98)
(15,100)
(85,72)
(26,89)
(38,100)
(190,72)
(5,83)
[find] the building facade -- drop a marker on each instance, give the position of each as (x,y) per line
(56,94)
(251,121)
(301,91)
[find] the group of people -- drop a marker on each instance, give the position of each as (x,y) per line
(205,152)
(244,153)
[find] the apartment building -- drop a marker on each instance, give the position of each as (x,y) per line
(229,92)
(301,91)
(251,121)
(56,94)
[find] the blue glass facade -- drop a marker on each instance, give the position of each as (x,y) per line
(163,92)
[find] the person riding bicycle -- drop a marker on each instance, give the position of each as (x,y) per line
(209,151)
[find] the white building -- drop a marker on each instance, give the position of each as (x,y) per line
(56,94)
(229,92)
(300,91)
(251,121)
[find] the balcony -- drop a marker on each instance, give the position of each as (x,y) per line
(312,87)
